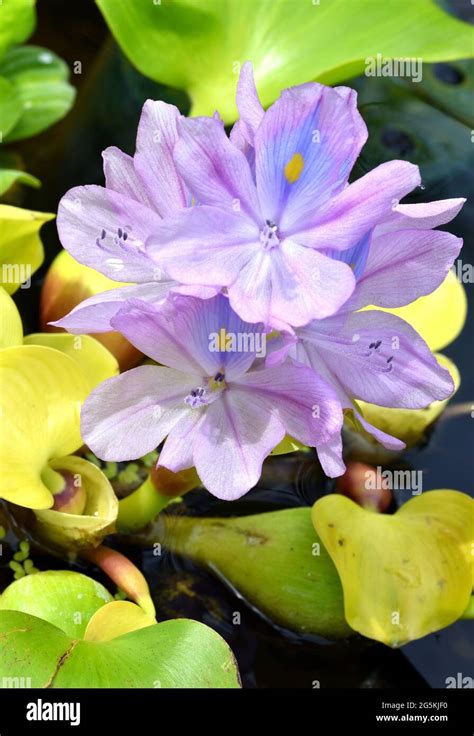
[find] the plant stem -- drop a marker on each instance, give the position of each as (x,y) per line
(53,480)
(140,507)
(124,574)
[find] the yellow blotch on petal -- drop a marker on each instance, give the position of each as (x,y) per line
(294,168)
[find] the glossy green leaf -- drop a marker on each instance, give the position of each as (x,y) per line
(21,249)
(39,419)
(66,599)
(11,107)
(406,575)
(172,654)
(17,21)
(275,560)
(198,45)
(40,80)
(8,177)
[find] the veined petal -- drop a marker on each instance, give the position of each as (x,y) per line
(107,230)
(120,175)
(129,415)
(156,137)
(404,265)
(305,147)
(422,216)
(290,284)
(177,452)
(330,456)
(385,439)
(239,431)
(216,172)
(200,337)
(94,314)
(249,106)
(204,245)
(346,218)
(376,357)
(306,405)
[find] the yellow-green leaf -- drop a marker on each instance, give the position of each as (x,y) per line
(21,249)
(117,618)
(74,531)
(198,45)
(11,329)
(404,576)
(40,397)
(96,361)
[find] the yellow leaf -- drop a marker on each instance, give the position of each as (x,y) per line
(74,531)
(115,619)
(406,575)
(21,249)
(287,445)
(41,391)
(11,330)
(95,360)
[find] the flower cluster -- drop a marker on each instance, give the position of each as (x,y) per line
(251,261)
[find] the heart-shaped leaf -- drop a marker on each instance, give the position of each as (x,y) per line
(39,81)
(275,560)
(65,599)
(199,45)
(405,575)
(172,654)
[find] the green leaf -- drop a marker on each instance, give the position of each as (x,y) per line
(397,116)
(17,22)
(198,45)
(66,599)
(275,560)
(171,654)
(39,78)
(11,107)
(8,177)
(404,575)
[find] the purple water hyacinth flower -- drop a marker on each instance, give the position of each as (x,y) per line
(218,409)
(275,203)
(106,227)
(372,355)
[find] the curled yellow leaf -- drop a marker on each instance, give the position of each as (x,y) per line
(406,575)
